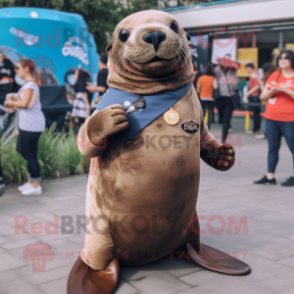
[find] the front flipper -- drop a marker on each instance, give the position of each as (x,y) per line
(85,280)
(215,260)
(219,156)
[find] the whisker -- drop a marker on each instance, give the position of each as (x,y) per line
(178,52)
(119,54)
(122,59)
(185,50)
(126,61)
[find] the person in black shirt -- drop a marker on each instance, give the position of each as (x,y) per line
(6,75)
(102,86)
(81,105)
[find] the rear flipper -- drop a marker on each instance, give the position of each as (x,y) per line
(215,260)
(85,280)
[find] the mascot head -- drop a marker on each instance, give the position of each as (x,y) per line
(149,53)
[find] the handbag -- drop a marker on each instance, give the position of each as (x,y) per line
(216,94)
(236,100)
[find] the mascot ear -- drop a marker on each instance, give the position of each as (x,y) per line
(109,46)
(188,36)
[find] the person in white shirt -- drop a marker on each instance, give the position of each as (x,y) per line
(31,123)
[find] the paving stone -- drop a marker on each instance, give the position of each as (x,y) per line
(276,252)
(268,244)
(197,278)
(7,276)
(5,239)
(8,232)
(289,261)
(192,291)
(278,284)
(125,288)
(140,272)
(49,275)
(21,287)
(9,262)
(19,243)
(53,287)
(177,267)
(242,287)
(19,273)
(162,283)
(289,291)
(271,267)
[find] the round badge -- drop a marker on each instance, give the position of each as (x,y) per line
(171,117)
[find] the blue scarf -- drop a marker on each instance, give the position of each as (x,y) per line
(155,105)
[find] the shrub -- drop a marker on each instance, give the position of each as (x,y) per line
(49,152)
(13,164)
(56,151)
(70,154)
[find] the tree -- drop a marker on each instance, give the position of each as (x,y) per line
(101,16)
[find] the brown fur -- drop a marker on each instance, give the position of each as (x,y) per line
(142,180)
(149,78)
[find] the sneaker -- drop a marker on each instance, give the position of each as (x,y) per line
(32,191)
(259,137)
(289,182)
(249,132)
(24,186)
(230,130)
(265,180)
(2,189)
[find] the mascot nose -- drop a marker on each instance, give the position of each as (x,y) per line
(154,38)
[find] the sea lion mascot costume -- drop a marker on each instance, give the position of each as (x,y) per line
(146,139)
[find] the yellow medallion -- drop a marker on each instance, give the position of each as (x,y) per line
(171,117)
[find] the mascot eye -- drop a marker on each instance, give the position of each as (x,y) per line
(124,35)
(174,26)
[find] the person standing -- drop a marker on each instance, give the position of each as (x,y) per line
(279,115)
(81,104)
(226,80)
(6,75)
(2,183)
(31,124)
(252,95)
(102,76)
(205,85)
(197,75)
(6,84)
(268,68)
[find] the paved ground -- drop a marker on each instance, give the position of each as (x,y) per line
(267,246)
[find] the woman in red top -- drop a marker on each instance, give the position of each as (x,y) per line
(279,93)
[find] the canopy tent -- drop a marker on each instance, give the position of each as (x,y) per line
(57,42)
